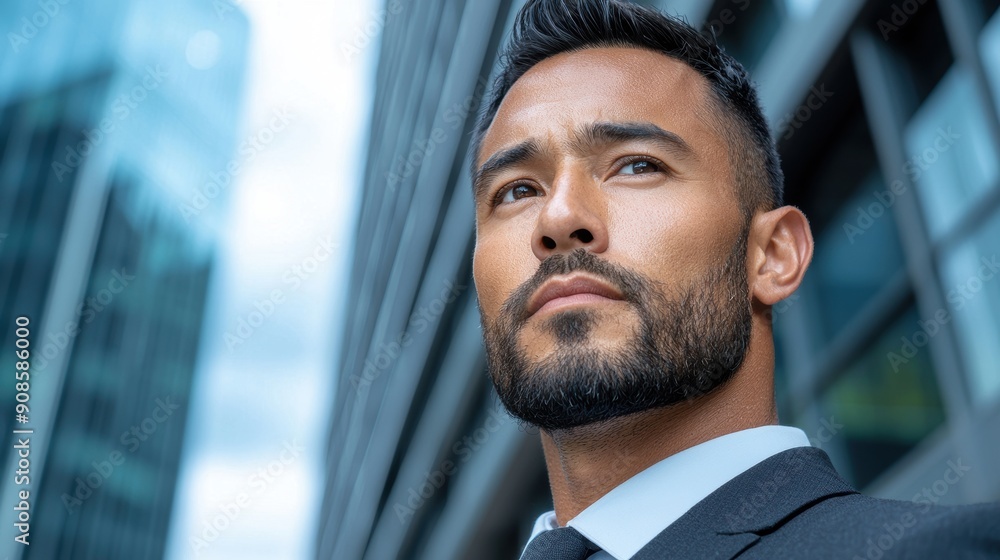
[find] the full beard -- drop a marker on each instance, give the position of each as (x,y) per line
(684,347)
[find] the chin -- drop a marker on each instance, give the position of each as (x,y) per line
(582,327)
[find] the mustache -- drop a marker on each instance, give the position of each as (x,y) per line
(630,284)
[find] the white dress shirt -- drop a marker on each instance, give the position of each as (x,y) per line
(629,516)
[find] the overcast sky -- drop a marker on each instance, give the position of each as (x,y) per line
(256,438)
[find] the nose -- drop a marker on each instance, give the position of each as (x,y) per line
(573,216)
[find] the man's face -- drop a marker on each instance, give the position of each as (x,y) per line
(610,247)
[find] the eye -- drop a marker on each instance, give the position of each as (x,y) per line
(513,193)
(640,166)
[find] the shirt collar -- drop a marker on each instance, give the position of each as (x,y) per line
(629,516)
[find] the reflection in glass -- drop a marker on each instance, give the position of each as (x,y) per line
(851,264)
(887,400)
(989,47)
(745,29)
(951,156)
(971,277)
(801,9)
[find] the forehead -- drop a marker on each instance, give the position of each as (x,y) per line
(614,84)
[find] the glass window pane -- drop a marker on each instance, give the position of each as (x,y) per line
(887,401)
(987,8)
(971,277)
(951,156)
(746,29)
(989,47)
(801,9)
(855,256)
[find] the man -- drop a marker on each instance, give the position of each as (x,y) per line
(630,242)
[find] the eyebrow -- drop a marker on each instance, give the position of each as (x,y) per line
(601,134)
(500,161)
(587,139)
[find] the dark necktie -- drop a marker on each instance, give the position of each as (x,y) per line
(561,543)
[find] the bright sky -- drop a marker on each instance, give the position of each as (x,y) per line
(256,439)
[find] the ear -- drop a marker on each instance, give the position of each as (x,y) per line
(781,247)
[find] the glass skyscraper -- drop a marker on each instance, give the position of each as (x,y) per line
(113,119)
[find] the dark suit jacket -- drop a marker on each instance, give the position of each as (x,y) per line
(795,505)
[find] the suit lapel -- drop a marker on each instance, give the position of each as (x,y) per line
(730,520)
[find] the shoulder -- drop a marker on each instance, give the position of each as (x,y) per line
(971,531)
(863,527)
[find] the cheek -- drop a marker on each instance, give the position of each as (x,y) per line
(500,264)
(485,277)
(669,236)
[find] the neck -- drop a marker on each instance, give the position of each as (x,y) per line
(586,462)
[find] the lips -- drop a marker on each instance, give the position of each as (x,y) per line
(572,289)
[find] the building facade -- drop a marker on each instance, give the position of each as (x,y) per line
(111,120)
(885,114)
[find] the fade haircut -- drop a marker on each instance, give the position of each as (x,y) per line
(545,28)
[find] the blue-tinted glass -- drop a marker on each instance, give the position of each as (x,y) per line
(746,28)
(887,400)
(971,277)
(989,47)
(855,256)
(951,155)
(801,9)
(983,9)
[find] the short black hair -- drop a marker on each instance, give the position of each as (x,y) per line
(545,28)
